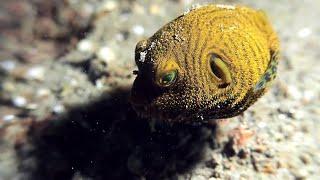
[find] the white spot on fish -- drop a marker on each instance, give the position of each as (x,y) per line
(143,56)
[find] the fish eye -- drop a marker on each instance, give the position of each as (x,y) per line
(168,78)
(220,71)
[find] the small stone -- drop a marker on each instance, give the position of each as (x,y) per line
(36,73)
(294,92)
(306,159)
(106,54)
(86,46)
(137,8)
(109,6)
(32,106)
(198,177)
(304,32)
(9,117)
(154,9)
(43,92)
(100,83)
(58,109)
(19,101)
(74,82)
(8,86)
(260,148)
(138,30)
(268,168)
(7,65)
(301,174)
(308,96)
(186,2)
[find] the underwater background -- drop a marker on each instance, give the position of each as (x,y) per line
(66,73)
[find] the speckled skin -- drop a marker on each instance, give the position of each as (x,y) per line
(241,36)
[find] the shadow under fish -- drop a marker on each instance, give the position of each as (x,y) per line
(106,140)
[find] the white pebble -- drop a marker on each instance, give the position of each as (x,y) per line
(19,101)
(58,109)
(294,92)
(304,32)
(109,5)
(36,73)
(309,95)
(43,92)
(187,2)
(32,106)
(262,125)
(8,65)
(85,46)
(106,54)
(138,30)
(99,84)
(9,117)
(73,82)
(119,37)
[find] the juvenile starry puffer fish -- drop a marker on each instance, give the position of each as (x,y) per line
(210,63)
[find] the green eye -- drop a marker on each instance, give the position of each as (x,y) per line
(168,78)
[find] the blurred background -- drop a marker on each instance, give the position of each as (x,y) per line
(66,71)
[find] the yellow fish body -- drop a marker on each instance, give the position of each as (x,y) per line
(212,62)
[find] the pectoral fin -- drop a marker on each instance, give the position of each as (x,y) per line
(269,75)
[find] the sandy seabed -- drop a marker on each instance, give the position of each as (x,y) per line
(66,71)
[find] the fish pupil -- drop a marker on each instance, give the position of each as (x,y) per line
(216,70)
(169,77)
(220,70)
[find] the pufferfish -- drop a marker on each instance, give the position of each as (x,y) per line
(212,62)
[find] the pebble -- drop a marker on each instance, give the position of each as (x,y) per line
(308,96)
(198,177)
(137,8)
(36,73)
(74,82)
(19,101)
(43,92)
(86,46)
(32,106)
(294,92)
(138,30)
(8,86)
(106,54)
(186,2)
(154,9)
(304,32)
(7,65)
(58,109)
(87,9)
(9,117)
(109,5)
(306,159)
(100,83)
